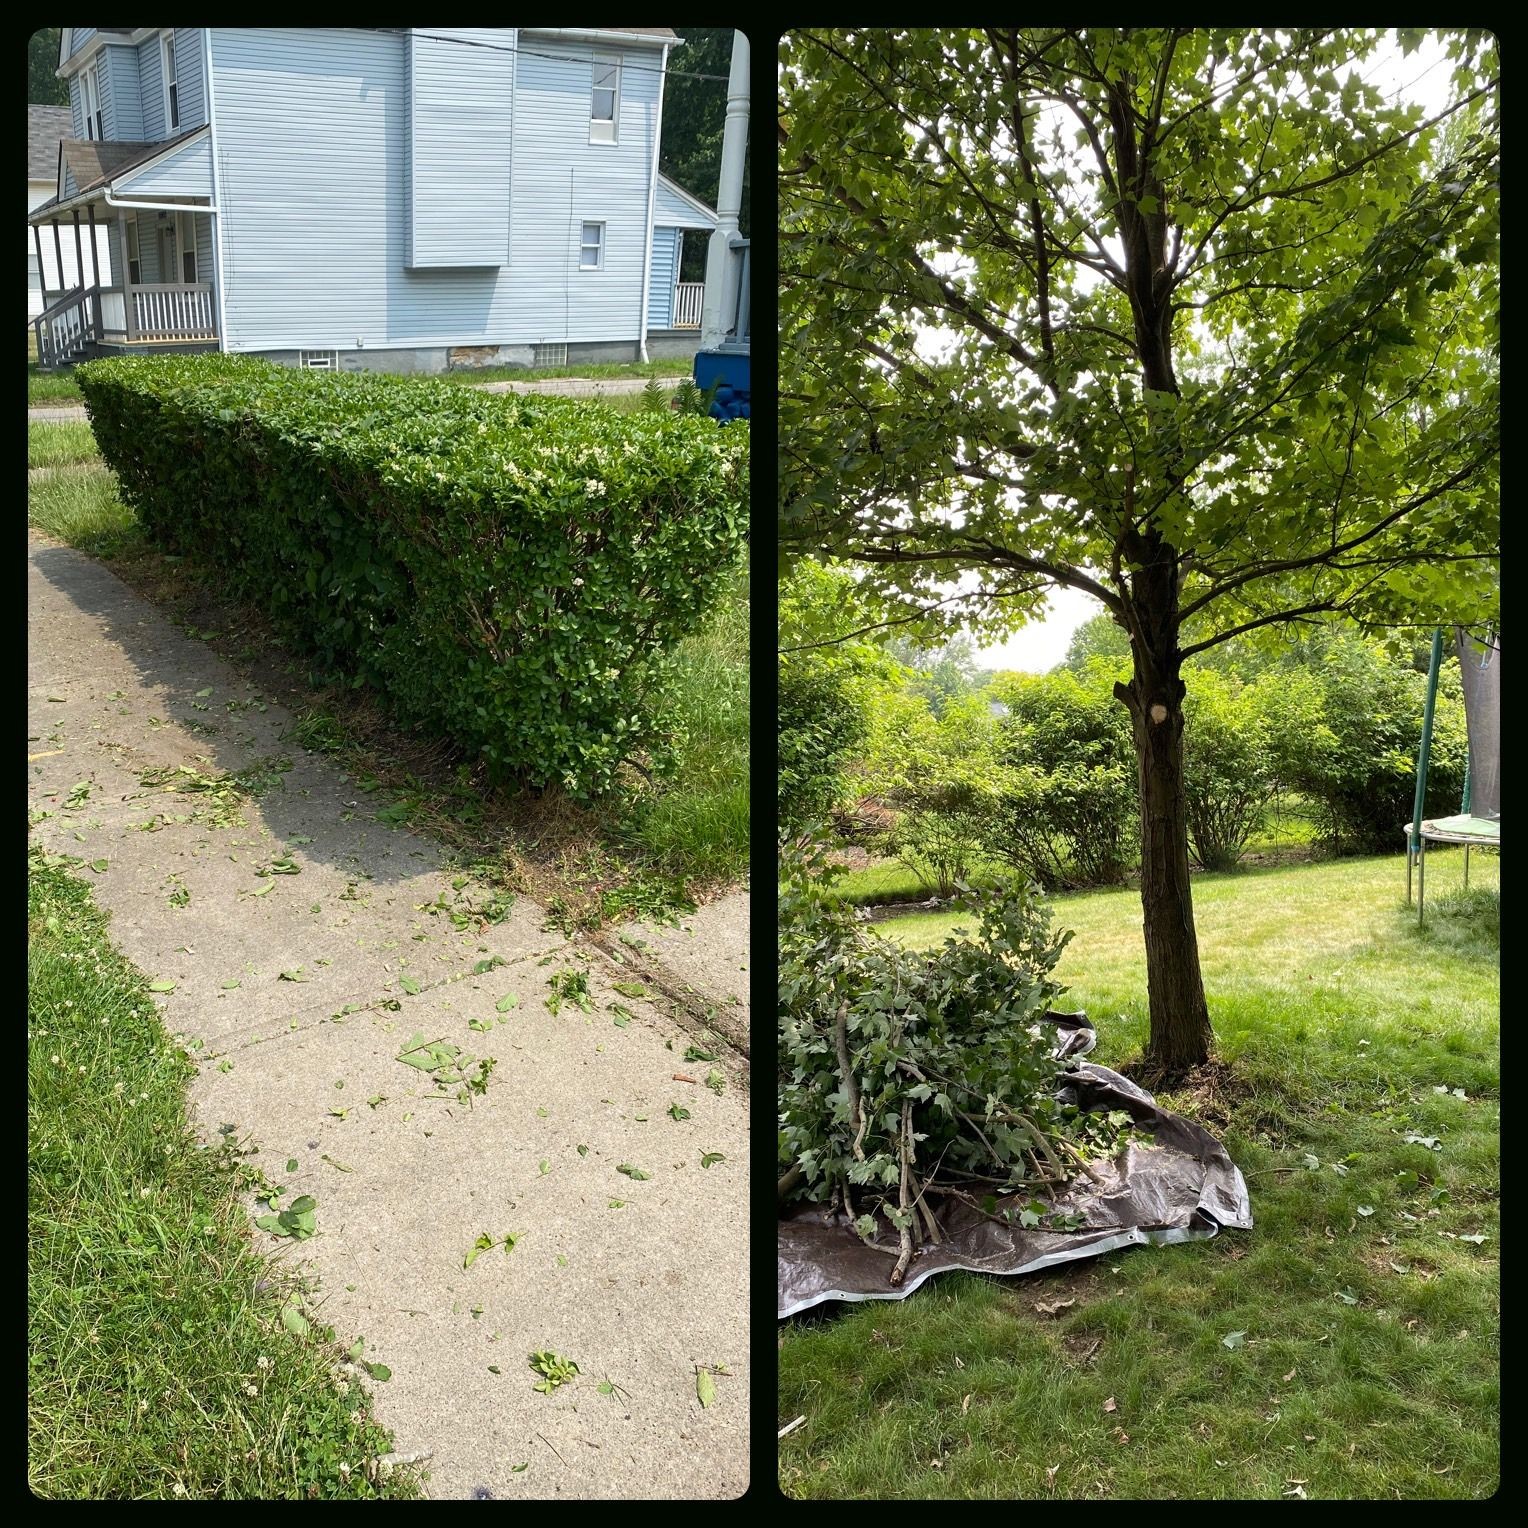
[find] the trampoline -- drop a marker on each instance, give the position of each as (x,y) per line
(1478,821)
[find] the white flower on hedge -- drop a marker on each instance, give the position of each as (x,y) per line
(594,488)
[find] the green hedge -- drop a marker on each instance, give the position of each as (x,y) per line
(507,571)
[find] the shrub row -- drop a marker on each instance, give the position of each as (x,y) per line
(509,572)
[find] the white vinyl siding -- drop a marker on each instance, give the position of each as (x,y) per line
(151,89)
(189,84)
(605,98)
(665,270)
(185,171)
(591,247)
(461,119)
(313,144)
(124,111)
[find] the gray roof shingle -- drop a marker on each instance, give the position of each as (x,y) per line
(45,126)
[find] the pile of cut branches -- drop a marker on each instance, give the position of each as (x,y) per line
(907,1077)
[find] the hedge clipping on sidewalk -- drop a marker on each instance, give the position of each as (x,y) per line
(510,572)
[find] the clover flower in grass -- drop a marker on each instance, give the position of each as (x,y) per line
(262,1362)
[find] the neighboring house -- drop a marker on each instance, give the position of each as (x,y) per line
(398,198)
(54,264)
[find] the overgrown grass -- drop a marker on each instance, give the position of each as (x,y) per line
(50,386)
(158,1365)
(696,825)
(79,505)
(65,443)
(1338,1023)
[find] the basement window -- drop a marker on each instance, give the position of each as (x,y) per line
(320,360)
(555,354)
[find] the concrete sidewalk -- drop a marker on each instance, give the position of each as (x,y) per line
(297,990)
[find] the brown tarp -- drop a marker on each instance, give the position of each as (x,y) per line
(1172,1183)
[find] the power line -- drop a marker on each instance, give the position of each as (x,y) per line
(561,58)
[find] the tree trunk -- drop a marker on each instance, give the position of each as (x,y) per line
(1181,1037)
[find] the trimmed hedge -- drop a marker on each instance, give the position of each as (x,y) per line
(507,571)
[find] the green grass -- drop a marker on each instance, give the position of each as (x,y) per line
(696,825)
(79,506)
(51,386)
(1337,1018)
(64,444)
(158,1365)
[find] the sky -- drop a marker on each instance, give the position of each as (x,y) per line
(1423,76)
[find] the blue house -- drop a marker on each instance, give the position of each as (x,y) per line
(393,198)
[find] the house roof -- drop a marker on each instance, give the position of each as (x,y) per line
(99,163)
(96,161)
(703,208)
(46,125)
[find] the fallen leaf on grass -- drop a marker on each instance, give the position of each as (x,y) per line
(100,866)
(705,1387)
(1366,1210)
(707,1158)
(1120,1435)
(1054,1306)
(1347,1297)
(1289,1376)
(409,985)
(161,986)
(638,1173)
(1477,1240)
(1110,1404)
(506,1002)
(965,1405)
(1233,1340)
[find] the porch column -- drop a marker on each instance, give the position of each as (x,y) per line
(130,317)
(95,259)
(718,303)
(58,251)
(42,270)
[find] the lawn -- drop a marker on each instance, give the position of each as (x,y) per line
(643,851)
(1368,1365)
(159,1364)
(45,387)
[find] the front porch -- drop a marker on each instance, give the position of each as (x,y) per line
(118,320)
(129,245)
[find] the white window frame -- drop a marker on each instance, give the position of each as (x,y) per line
(169,83)
(598,246)
(601,129)
(90,89)
(133,253)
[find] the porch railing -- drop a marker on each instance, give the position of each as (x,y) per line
(172,311)
(66,326)
(688,298)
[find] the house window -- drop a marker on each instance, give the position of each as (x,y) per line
(92,90)
(591,247)
(34,272)
(605,100)
(550,353)
(171,89)
(321,360)
(134,263)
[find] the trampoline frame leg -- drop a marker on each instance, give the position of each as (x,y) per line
(1422,883)
(1466,867)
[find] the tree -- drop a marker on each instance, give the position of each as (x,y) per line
(940,674)
(1100,636)
(1196,321)
(694,112)
(43,87)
